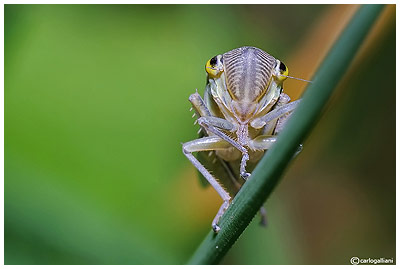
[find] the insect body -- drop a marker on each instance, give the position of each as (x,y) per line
(243,110)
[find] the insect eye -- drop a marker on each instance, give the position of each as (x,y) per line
(282,72)
(213,61)
(282,67)
(214,66)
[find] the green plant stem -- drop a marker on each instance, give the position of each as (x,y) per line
(267,173)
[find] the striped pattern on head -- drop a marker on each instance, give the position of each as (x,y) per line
(248,72)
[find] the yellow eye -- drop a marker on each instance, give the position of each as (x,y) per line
(283,72)
(214,67)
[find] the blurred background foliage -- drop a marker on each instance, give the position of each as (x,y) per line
(96,108)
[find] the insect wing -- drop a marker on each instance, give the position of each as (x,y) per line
(223,171)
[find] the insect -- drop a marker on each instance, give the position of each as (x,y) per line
(242,112)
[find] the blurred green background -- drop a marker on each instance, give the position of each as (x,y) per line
(95,111)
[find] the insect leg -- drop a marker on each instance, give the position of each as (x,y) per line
(213,124)
(270,126)
(262,142)
(263,213)
(206,144)
(245,157)
(274,114)
(199,105)
(281,122)
(209,122)
(203,112)
(273,128)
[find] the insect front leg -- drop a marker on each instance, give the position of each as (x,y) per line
(274,114)
(213,125)
(199,105)
(207,144)
(281,122)
(274,122)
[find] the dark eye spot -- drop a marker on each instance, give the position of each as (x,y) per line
(282,67)
(213,60)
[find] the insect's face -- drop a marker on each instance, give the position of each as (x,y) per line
(245,76)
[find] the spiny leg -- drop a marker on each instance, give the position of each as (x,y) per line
(245,175)
(205,119)
(206,144)
(199,105)
(243,134)
(208,122)
(213,125)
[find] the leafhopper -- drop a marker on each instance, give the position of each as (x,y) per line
(242,112)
